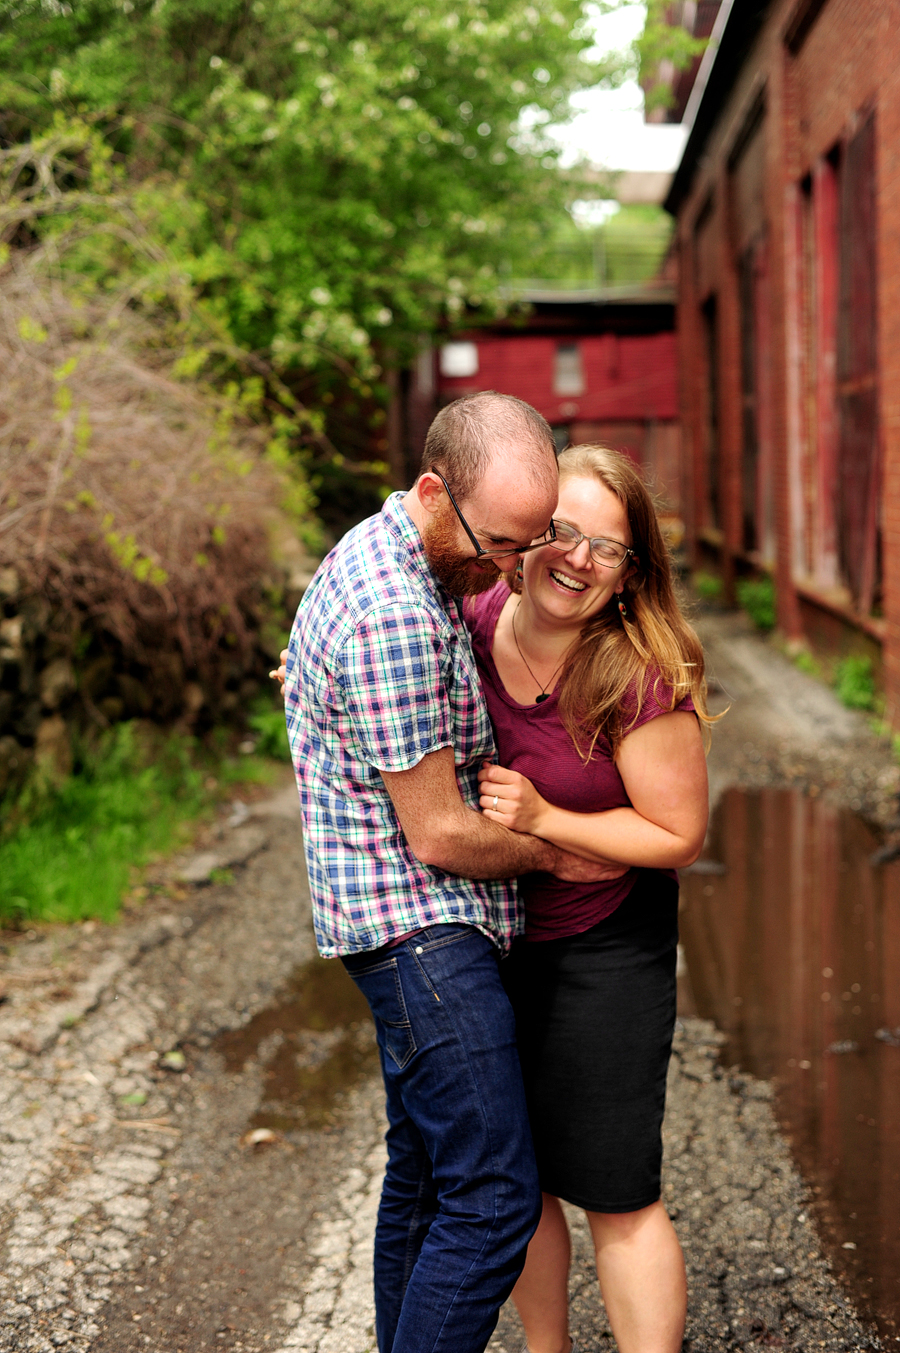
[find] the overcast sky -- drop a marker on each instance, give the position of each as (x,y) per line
(609,125)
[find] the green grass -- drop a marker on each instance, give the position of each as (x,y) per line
(854,682)
(806,662)
(71,853)
(267,722)
(757,597)
(707,586)
(852,679)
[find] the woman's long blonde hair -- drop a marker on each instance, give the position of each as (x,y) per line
(653,642)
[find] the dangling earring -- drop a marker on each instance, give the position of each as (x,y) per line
(519,573)
(622,612)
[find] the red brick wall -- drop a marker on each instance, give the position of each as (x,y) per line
(889,342)
(626,378)
(848,64)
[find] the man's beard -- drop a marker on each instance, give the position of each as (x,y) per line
(449,564)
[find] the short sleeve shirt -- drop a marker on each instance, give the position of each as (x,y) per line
(380,673)
(533,741)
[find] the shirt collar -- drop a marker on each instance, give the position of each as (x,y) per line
(404,530)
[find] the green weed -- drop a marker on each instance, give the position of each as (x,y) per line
(135,1099)
(757,597)
(707,586)
(854,682)
(805,662)
(71,853)
(267,722)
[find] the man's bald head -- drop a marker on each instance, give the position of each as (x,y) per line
(470,434)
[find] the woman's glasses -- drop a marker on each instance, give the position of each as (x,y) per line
(609,553)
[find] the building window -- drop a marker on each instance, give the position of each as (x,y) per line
(748,213)
(856,488)
(838,290)
(711,336)
(819,263)
(459,359)
(568,373)
(750,535)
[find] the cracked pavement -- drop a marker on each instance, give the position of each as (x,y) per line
(134,1215)
(756,1275)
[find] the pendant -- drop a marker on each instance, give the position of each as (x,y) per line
(541,698)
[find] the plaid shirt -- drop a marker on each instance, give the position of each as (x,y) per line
(380,672)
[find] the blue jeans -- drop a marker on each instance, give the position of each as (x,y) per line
(461,1197)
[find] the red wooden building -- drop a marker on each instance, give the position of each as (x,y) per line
(599,365)
(786,202)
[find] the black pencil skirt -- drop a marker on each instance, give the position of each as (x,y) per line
(595,1014)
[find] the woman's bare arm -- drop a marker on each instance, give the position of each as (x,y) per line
(663,768)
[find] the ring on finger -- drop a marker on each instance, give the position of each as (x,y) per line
(496,799)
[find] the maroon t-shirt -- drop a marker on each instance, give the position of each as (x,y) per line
(532,740)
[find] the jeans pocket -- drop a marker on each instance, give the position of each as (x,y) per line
(383,989)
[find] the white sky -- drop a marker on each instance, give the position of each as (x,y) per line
(609,125)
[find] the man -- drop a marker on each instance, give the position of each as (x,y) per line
(410,883)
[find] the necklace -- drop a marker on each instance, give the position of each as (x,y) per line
(545,690)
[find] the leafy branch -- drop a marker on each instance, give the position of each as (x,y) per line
(663,48)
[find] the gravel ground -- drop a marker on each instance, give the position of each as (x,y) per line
(135,1212)
(756,1274)
(132,1216)
(784,728)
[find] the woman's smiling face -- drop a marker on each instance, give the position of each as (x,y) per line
(569,586)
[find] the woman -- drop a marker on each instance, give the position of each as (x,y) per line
(594,683)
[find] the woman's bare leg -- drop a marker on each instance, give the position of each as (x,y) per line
(641,1271)
(642,1278)
(542,1292)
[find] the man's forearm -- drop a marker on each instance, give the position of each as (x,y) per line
(475,848)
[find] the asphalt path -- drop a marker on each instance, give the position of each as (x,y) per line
(157,1194)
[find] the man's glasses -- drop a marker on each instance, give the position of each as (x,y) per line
(547,538)
(609,553)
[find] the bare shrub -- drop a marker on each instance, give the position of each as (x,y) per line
(135,521)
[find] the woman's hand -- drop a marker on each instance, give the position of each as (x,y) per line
(279,673)
(520,808)
(508,798)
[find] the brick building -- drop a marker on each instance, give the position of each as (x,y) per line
(599,365)
(788,227)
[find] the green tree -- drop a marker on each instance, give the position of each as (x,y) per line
(332,180)
(627,248)
(663,42)
(303,188)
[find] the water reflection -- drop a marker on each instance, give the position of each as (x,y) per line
(314,1044)
(793,948)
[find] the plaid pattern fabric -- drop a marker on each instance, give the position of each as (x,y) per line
(380,672)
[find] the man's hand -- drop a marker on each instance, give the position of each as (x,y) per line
(573,869)
(279,673)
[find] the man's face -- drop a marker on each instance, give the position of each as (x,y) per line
(451,561)
(506,511)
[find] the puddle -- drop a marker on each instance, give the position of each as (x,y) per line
(314,1045)
(792,940)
